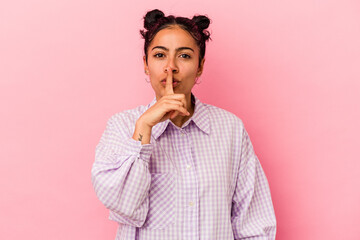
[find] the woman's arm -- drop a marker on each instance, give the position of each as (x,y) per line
(253,214)
(120,173)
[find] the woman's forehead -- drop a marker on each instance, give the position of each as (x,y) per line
(173,37)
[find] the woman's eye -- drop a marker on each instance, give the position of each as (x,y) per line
(159,55)
(184,55)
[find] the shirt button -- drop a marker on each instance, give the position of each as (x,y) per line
(191,204)
(188,166)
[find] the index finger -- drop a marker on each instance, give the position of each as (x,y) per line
(169,82)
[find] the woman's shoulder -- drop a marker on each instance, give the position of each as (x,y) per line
(219,115)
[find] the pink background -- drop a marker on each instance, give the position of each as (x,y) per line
(289,69)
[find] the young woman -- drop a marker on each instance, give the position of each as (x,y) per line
(179,168)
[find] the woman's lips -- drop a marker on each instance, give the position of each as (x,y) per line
(175,82)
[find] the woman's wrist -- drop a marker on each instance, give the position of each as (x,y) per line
(142,132)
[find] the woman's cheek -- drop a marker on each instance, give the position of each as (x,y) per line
(192,71)
(157,68)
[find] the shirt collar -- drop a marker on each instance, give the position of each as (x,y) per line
(200,118)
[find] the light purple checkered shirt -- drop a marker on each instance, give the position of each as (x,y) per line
(200,181)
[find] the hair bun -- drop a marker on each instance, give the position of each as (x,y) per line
(152,17)
(201,21)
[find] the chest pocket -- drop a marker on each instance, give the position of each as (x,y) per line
(162,210)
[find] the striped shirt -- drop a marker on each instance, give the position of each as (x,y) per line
(199,181)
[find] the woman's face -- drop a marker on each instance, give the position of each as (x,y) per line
(176,48)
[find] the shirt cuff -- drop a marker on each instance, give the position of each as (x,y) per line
(143,151)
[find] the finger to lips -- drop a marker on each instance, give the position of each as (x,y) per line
(169,90)
(169,82)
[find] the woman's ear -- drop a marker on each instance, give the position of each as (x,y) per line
(201,67)
(146,68)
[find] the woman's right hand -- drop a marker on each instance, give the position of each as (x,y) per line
(168,106)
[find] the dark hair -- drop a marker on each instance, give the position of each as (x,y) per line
(155,20)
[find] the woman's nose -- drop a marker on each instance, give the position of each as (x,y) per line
(172,64)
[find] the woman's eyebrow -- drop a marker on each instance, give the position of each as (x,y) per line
(184,48)
(178,49)
(161,47)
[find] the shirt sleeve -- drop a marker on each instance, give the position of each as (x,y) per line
(252,213)
(120,174)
